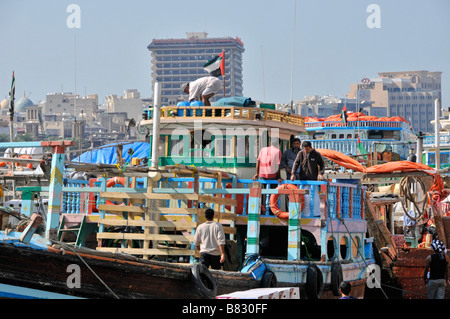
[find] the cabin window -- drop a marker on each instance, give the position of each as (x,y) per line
(375,134)
(343,248)
(356,246)
(333,136)
(331,247)
(222,146)
(341,136)
(319,135)
(176,147)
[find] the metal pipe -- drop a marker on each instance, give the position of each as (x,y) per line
(156,119)
(419,148)
(437,115)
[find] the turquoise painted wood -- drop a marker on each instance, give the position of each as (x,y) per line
(294,230)
(55,189)
(253,224)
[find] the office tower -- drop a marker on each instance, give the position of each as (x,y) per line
(177,61)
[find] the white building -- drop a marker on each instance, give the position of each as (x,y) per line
(130,102)
(71,104)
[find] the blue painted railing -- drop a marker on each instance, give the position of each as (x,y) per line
(342,200)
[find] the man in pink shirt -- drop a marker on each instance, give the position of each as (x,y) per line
(268,162)
(268,166)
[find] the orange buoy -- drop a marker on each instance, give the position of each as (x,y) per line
(274,199)
(115,180)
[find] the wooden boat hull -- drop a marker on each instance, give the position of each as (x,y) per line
(408,270)
(126,277)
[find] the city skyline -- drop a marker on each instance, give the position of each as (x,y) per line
(336,44)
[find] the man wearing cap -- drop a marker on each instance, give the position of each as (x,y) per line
(437,266)
(202,89)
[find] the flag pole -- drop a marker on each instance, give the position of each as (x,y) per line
(11,126)
(223,57)
(11,108)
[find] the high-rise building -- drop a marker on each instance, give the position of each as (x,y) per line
(177,61)
(410,94)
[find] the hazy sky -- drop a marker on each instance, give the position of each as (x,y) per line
(334,44)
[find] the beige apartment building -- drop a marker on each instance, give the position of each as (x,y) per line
(410,94)
(130,102)
(71,104)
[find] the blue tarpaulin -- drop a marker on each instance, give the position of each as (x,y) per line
(108,153)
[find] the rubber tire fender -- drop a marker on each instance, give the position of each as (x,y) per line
(269,279)
(204,282)
(314,282)
(336,278)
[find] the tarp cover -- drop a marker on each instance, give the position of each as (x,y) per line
(108,155)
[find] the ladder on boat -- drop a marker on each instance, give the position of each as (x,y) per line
(81,232)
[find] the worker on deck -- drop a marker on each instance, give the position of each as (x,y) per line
(437,266)
(202,89)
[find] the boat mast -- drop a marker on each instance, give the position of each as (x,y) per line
(292,66)
(156,119)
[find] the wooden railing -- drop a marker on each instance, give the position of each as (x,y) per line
(231,112)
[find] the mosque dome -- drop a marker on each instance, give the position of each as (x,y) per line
(22,104)
(4,104)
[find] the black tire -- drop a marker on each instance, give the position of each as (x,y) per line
(204,282)
(314,282)
(269,280)
(336,278)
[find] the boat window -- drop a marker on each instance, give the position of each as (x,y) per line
(333,136)
(331,247)
(344,247)
(356,245)
(374,134)
(341,136)
(319,135)
(222,146)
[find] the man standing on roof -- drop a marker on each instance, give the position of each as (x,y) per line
(202,89)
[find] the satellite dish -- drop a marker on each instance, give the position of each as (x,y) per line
(381,148)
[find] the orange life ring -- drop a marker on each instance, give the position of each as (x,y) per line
(274,199)
(30,166)
(112,182)
(115,180)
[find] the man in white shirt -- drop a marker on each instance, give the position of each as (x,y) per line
(202,89)
(209,238)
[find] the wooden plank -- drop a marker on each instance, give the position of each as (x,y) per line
(142,251)
(146,223)
(121,208)
(160,210)
(140,236)
(200,198)
(217,200)
(229,230)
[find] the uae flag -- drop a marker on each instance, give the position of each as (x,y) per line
(361,148)
(344,115)
(216,66)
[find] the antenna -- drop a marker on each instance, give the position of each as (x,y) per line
(75,80)
(292,66)
(262,66)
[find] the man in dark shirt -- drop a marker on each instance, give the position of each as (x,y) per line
(289,156)
(310,162)
(437,265)
(311,167)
